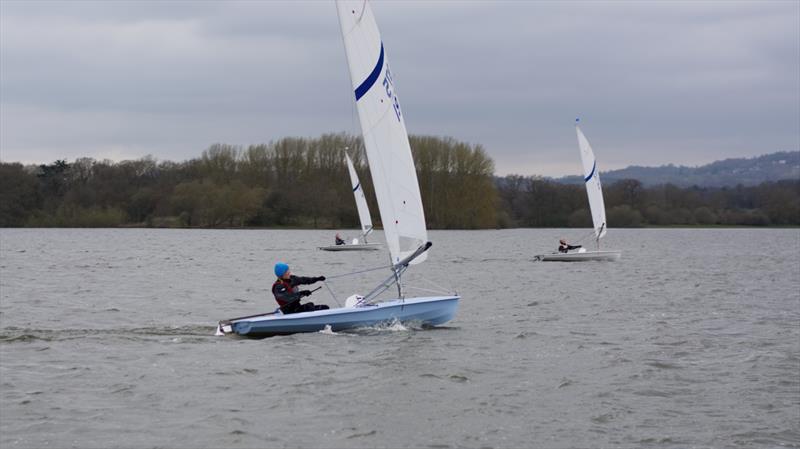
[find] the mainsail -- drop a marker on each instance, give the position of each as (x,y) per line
(361,199)
(593,188)
(384,132)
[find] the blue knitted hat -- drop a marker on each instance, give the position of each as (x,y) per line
(281,269)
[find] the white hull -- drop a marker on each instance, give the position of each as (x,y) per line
(585,256)
(349,247)
(428,311)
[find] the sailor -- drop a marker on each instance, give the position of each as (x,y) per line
(563,247)
(339,240)
(287,294)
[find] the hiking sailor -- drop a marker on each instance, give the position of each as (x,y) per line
(563,247)
(339,240)
(287,294)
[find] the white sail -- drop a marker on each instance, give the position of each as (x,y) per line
(593,188)
(384,131)
(361,199)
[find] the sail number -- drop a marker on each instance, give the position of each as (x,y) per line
(389,85)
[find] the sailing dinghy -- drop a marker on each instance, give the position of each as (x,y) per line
(595,192)
(397,191)
(363,216)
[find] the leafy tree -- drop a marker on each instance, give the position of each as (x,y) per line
(304,182)
(624,216)
(18,194)
(704,216)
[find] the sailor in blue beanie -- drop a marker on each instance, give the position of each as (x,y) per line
(286,293)
(280,269)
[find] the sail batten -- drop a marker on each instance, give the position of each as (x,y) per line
(594,189)
(384,131)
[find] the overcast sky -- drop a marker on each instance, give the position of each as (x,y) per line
(684,82)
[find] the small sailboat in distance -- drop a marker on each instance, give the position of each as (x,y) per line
(363,216)
(595,193)
(396,189)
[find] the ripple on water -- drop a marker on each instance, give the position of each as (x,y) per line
(362,434)
(663,365)
(627,354)
(564,383)
(652,393)
(458,378)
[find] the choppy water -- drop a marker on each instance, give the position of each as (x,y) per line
(691,340)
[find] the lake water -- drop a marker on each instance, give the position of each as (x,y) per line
(692,339)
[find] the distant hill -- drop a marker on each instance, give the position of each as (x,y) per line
(728,172)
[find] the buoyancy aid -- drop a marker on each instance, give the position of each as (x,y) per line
(283,291)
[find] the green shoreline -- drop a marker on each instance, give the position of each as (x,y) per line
(301,183)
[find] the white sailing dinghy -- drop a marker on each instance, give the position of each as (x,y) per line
(363,215)
(595,192)
(396,188)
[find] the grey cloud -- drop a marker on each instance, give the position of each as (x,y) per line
(655,82)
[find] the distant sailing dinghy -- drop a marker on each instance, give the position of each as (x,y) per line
(363,215)
(595,193)
(397,191)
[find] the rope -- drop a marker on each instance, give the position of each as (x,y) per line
(590,234)
(411,287)
(356,272)
(444,290)
(327,278)
(331,292)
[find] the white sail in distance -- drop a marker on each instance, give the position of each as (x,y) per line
(593,188)
(361,199)
(384,131)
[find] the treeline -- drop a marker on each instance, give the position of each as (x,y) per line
(293,182)
(297,182)
(535,202)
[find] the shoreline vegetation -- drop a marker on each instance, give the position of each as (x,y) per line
(302,183)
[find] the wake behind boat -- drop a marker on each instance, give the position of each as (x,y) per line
(595,193)
(396,189)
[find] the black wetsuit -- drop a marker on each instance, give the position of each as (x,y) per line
(339,241)
(288,296)
(565,248)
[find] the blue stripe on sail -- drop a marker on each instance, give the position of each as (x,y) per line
(592,173)
(356,187)
(364,87)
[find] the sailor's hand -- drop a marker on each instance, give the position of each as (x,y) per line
(320,278)
(305,293)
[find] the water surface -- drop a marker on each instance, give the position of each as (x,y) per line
(691,340)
